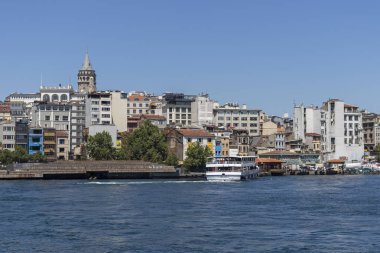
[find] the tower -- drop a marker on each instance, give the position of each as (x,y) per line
(86,77)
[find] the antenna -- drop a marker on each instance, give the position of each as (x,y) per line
(41,79)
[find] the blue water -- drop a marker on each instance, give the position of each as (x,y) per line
(273,214)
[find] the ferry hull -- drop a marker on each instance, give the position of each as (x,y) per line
(230,176)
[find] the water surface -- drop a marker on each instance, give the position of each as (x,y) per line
(273,214)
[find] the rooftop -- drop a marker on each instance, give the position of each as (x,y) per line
(195,133)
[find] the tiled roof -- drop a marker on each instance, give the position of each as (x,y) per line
(336,161)
(312,134)
(195,133)
(153,117)
(267,160)
(348,106)
(61,133)
(280,152)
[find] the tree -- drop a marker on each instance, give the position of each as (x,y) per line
(171,160)
(146,143)
(6,157)
(100,146)
(20,155)
(196,157)
(38,157)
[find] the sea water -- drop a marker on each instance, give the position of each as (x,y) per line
(272,214)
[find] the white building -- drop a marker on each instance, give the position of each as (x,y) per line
(202,111)
(341,128)
(7,135)
(238,117)
(56,93)
(306,120)
(98,108)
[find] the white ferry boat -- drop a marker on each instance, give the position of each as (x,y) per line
(230,168)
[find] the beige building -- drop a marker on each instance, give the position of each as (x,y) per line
(50,144)
(63,146)
(238,117)
(371,121)
(119,110)
(5,112)
(269,128)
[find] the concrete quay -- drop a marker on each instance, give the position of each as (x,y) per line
(89,170)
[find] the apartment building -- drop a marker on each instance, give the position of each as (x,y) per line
(342,133)
(51,115)
(36,141)
(7,135)
(21,132)
(63,147)
(177,108)
(371,123)
(202,110)
(77,125)
(50,144)
(306,120)
(98,108)
(238,117)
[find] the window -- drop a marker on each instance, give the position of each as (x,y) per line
(61,150)
(56,117)
(61,141)
(200,140)
(47,117)
(65,118)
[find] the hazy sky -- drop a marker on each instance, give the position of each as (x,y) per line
(266,54)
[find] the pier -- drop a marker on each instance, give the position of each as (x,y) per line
(89,170)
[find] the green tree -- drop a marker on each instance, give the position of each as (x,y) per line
(146,143)
(38,157)
(377,152)
(100,146)
(196,157)
(171,160)
(6,157)
(21,155)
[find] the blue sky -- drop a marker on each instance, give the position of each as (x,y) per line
(266,54)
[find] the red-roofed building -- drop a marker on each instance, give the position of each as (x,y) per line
(135,121)
(5,112)
(180,139)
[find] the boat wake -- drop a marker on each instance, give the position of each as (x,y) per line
(143,182)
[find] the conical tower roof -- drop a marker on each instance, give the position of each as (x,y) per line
(86,63)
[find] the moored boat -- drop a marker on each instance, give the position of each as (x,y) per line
(231,168)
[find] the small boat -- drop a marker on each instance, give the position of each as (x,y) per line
(232,168)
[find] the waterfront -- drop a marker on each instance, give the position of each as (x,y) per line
(271,214)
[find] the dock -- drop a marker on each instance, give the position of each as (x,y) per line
(88,170)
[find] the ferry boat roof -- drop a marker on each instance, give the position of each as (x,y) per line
(234,161)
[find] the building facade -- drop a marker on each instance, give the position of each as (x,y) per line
(98,108)
(177,108)
(202,110)
(238,117)
(306,120)
(36,141)
(7,135)
(342,134)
